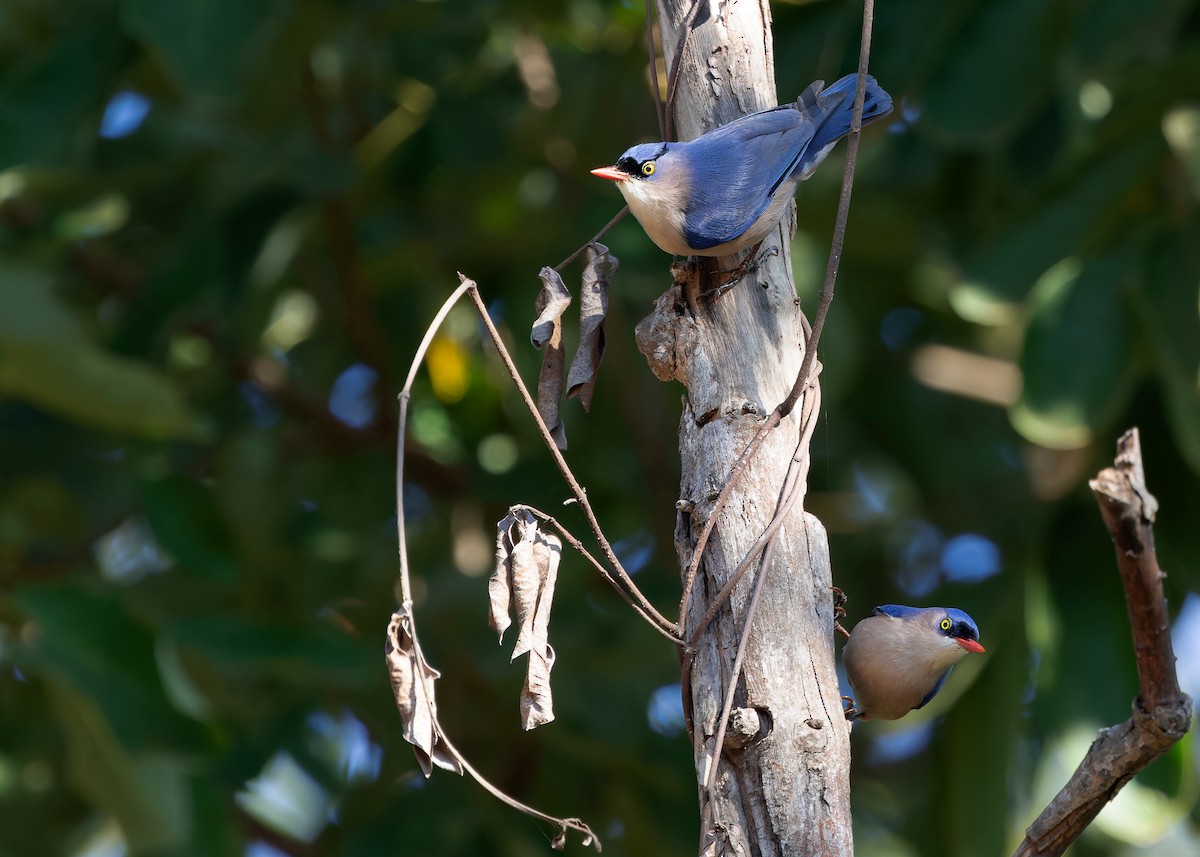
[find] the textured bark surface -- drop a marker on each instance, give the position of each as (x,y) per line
(785,789)
(1162,713)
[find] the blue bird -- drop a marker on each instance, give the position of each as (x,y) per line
(724,191)
(898,658)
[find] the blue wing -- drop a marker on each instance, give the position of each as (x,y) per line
(897,611)
(934,692)
(737,169)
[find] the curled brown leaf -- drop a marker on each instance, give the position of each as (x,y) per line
(593,309)
(412,684)
(552,301)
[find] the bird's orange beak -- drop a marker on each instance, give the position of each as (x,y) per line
(971,645)
(610,173)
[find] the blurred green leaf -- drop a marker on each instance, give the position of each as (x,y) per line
(1078,362)
(307,653)
(47,359)
(1169,300)
(51,85)
(966,100)
(1111,32)
(188,523)
(205,44)
(88,641)
(145,793)
(1002,271)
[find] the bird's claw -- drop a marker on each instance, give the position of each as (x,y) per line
(850,708)
(747,265)
(839,611)
(839,603)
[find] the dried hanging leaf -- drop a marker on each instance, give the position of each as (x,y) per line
(593,308)
(412,684)
(526,571)
(499,590)
(552,301)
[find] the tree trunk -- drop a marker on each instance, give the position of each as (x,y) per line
(787,792)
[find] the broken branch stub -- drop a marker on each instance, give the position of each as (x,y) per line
(526,571)
(593,309)
(552,301)
(412,685)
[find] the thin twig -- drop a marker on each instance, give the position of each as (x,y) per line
(556,454)
(776,522)
(578,545)
(405,395)
(739,657)
(1162,714)
(658,99)
(673,72)
(589,838)
(794,488)
(810,349)
(616,219)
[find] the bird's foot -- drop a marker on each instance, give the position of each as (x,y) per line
(839,603)
(839,611)
(850,708)
(736,275)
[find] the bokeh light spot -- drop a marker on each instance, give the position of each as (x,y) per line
(896,745)
(293,318)
(636,550)
(350,399)
(124,114)
(916,548)
(970,557)
(497,453)
(448,369)
(1095,100)
(665,711)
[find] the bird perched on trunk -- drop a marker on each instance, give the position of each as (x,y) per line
(724,191)
(898,658)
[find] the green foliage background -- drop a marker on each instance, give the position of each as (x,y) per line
(197,553)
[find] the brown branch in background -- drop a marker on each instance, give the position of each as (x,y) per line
(362,325)
(810,349)
(1162,714)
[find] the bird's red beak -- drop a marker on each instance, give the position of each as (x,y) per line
(610,173)
(970,645)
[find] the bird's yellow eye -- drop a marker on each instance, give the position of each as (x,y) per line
(946,624)
(648,168)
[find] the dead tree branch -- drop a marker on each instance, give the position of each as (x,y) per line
(1162,713)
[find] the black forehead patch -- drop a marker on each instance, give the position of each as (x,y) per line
(629,165)
(963,630)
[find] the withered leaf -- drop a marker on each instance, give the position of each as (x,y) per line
(412,684)
(552,301)
(593,308)
(499,590)
(526,571)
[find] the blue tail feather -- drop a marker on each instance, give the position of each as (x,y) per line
(836,123)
